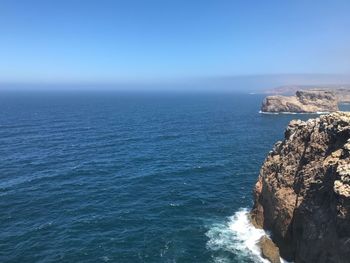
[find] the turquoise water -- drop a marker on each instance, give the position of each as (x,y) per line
(116,177)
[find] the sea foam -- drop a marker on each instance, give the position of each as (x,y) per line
(237,236)
(294,113)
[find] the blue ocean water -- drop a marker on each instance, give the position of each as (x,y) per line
(123,177)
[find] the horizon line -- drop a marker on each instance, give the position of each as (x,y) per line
(169,80)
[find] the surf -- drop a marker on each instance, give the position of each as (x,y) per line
(238,236)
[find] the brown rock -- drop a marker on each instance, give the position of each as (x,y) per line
(305,101)
(269,250)
(303,192)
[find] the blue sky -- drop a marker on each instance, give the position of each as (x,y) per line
(111,41)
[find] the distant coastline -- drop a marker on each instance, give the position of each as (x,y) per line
(342,92)
(304,101)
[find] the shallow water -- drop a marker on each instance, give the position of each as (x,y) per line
(98,177)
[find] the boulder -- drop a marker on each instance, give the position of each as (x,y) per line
(269,250)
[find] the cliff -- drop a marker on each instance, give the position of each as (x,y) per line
(306,101)
(343,95)
(342,92)
(303,191)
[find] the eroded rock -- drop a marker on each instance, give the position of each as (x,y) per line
(303,191)
(304,101)
(269,250)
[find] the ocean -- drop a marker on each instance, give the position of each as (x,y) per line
(131,177)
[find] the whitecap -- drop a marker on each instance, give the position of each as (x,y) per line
(106,258)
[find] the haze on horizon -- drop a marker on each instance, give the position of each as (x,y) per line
(289,42)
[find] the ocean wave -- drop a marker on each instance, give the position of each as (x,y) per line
(237,236)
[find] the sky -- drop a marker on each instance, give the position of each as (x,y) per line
(53,41)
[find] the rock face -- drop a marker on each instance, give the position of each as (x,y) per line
(305,101)
(303,192)
(269,250)
(341,92)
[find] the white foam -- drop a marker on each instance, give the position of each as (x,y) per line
(322,112)
(238,236)
(266,112)
(294,113)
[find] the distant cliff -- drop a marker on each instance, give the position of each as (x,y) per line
(343,95)
(303,192)
(306,101)
(341,92)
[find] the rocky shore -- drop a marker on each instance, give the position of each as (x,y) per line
(304,101)
(303,191)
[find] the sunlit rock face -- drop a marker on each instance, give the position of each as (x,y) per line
(303,191)
(305,101)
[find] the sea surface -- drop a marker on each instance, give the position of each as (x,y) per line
(131,177)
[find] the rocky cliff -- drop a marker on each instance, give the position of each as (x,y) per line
(342,92)
(304,101)
(303,192)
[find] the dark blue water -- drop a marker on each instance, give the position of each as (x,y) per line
(96,177)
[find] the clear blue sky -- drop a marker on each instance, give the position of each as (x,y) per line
(159,39)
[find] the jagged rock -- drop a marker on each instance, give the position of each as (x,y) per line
(306,101)
(303,191)
(269,250)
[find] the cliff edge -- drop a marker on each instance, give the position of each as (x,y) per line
(304,101)
(303,191)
